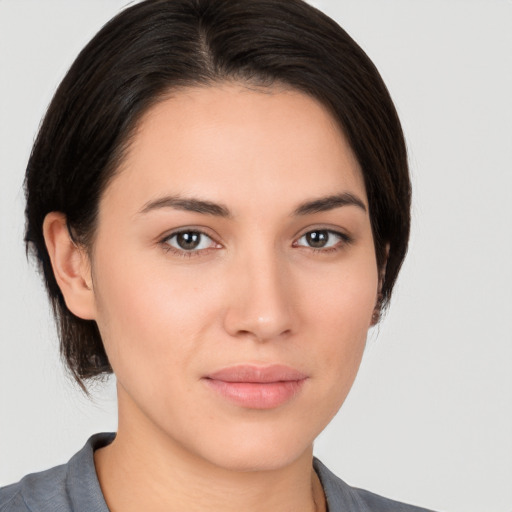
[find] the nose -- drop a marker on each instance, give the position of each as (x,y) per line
(259,304)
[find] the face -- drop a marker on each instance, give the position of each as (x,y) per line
(234,274)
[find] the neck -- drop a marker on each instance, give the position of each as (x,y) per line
(143,469)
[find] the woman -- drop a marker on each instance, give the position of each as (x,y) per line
(219,201)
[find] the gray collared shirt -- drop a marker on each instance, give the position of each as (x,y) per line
(74,487)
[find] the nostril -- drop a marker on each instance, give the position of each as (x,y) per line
(261,310)
(263,335)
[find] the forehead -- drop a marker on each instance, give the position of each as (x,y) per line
(271,143)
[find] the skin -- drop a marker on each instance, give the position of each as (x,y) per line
(254,292)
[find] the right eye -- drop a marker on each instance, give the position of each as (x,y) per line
(189,241)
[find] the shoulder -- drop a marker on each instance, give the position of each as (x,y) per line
(63,488)
(342,497)
(381,504)
(36,492)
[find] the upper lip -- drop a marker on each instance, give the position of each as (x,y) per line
(257,374)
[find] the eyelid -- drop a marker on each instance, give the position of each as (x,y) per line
(336,230)
(164,241)
(186,229)
(345,238)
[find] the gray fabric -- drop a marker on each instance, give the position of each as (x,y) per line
(74,487)
(343,498)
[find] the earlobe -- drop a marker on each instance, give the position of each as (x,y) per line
(377,310)
(71,266)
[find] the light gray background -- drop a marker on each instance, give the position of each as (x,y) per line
(429,420)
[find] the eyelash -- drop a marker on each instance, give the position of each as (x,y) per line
(344,240)
(183,252)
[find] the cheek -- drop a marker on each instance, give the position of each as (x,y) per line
(339,311)
(342,300)
(150,314)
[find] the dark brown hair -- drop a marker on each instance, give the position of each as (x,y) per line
(159,45)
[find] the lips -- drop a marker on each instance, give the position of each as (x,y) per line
(256,387)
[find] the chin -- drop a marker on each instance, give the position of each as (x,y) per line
(258,448)
(247,461)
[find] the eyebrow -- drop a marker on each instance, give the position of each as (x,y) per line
(324,204)
(190,204)
(187,204)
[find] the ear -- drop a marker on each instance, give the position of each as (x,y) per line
(71,266)
(377,310)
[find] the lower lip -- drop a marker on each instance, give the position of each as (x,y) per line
(257,395)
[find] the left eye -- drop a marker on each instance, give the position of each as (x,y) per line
(320,239)
(190,241)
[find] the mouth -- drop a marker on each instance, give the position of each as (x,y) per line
(257,387)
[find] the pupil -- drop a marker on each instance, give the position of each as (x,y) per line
(317,238)
(189,240)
